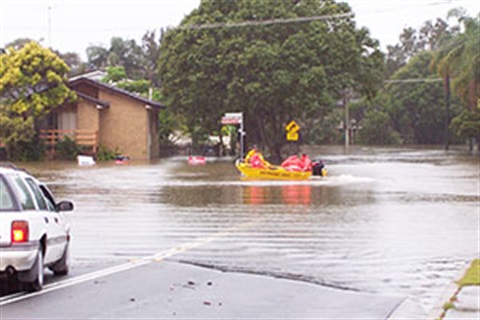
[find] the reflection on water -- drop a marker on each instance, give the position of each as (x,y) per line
(286,194)
(296,194)
(385,220)
(208,193)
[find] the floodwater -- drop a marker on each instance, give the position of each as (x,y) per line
(386,220)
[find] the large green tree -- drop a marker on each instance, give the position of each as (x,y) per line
(246,56)
(373,121)
(430,36)
(417,109)
(72,59)
(140,61)
(459,60)
(74,63)
(125,53)
(33,80)
(151,55)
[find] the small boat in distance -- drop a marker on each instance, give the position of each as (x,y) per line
(122,159)
(196,160)
(271,172)
(293,168)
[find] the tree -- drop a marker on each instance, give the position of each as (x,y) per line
(273,73)
(151,55)
(125,53)
(377,129)
(18,43)
(429,37)
(467,124)
(74,62)
(459,60)
(117,76)
(417,109)
(72,59)
(33,81)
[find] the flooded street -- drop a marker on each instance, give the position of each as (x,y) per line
(386,221)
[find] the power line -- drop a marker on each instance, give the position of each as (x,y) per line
(407,6)
(413,80)
(264,22)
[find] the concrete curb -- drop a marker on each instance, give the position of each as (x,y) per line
(407,310)
(451,290)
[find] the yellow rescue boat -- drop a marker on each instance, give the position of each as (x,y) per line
(271,172)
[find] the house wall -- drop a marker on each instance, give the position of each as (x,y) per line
(124,126)
(88,90)
(153,127)
(88,117)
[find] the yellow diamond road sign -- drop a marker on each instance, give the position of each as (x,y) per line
(292,131)
(292,126)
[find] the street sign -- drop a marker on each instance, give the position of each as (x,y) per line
(292,131)
(292,136)
(226,120)
(292,126)
(232,118)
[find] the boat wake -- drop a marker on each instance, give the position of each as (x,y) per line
(347,180)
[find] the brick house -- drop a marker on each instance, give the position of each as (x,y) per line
(104,115)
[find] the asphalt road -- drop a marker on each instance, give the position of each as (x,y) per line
(159,289)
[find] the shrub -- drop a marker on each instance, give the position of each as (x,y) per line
(33,150)
(67,149)
(106,154)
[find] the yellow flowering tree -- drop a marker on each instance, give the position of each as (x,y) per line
(33,81)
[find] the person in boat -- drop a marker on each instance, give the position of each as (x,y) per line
(292,163)
(250,154)
(256,160)
(318,168)
(306,162)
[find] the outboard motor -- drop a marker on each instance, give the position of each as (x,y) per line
(318,168)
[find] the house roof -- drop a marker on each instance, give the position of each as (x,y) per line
(94,75)
(93,100)
(82,80)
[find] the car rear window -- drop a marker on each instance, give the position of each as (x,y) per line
(6,199)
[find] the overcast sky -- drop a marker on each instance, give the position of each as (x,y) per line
(73,25)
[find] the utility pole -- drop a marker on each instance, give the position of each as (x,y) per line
(447,110)
(346,121)
(242,137)
(49,40)
(235,118)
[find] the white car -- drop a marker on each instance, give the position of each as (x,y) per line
(34,231)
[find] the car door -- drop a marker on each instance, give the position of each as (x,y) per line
(52,204)
(63,223)
(56,237)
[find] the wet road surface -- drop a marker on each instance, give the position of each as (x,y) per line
(170,290)
(385,221)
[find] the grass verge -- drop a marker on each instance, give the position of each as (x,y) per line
(472,276)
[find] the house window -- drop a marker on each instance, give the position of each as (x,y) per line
(67,120)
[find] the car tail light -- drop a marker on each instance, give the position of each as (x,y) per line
(19,231)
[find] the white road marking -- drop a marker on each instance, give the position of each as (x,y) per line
(135,263)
